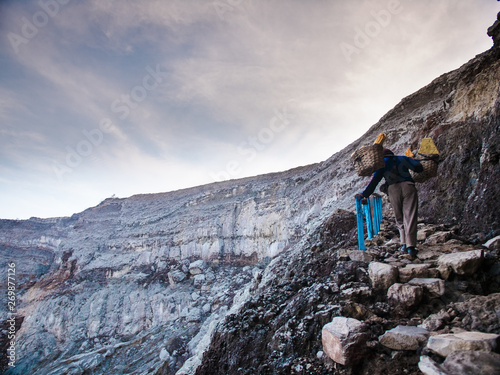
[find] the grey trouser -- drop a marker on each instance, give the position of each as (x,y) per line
(404,200)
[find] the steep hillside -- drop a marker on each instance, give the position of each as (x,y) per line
(278,330)
(143,284)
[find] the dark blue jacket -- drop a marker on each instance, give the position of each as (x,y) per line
(396,170)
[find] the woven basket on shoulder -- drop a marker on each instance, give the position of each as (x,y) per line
(430,164)
(368,159)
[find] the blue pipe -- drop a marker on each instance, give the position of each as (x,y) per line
(368,215)
(359,218)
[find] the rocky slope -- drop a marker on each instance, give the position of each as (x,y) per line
(279,328)
(144,285)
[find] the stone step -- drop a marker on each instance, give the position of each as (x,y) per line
(404,338)
(423,270)
(382,275)
(405,296)
(344,340)
(434,286)
(465,353)
(461,263)
(446,343)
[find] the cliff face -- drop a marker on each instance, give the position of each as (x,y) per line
(460,111)
(116,286)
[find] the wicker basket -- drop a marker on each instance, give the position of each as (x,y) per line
(368,159)
(430,164)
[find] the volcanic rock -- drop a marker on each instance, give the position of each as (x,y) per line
(344,340)
(478,341)
(462,263)
(404,338)
(382,275)
(433,286)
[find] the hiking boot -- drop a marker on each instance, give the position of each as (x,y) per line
(403,248)
(412,252)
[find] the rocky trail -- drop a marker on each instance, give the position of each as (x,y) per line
(374,312)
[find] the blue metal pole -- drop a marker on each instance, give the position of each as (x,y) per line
(368,214)
(359,218)
(376,222)
(379,210)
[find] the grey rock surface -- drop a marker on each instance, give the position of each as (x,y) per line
(344,340)
(382,275)
(433,286)
(405,296)
(472,363)
(404,338)
(477,341)
(462,263)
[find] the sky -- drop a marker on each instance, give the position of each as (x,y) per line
(102,98)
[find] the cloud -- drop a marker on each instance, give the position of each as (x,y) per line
(224,69)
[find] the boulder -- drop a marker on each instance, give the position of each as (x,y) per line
(193,315)
(356,291)
(199,280)
(438,238)
(423,233)
(344,340)
(404,338)
(463,263)
(471,363)
(445,272)
(429,367)
(480,313)
(176,277)
(198,267)
(405,296)
(412,271)
(164,355)
(360,256)
(433,286)
(382,275)
(436,321)
(447,343)
(493,244)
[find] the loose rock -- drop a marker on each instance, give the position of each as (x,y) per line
(435,287)
(463,263)
(176,277)
(404,338)
(429,367)
(344,340)
(411,271)
(405,296)
(360,256)
(447,343)
(197,267)
(472,363)
(493,244)
(382,275)
(438,238)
